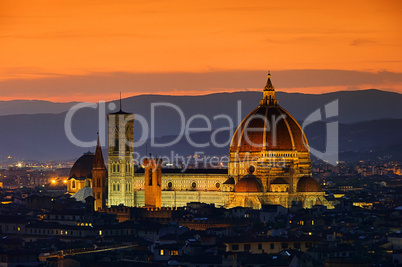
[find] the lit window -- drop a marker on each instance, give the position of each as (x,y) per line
(161,252)
(174,252)
(100,232)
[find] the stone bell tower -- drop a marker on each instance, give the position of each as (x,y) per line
(120,154)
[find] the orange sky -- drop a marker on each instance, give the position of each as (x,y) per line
(47,47)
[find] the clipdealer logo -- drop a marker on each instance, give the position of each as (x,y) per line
(330,155)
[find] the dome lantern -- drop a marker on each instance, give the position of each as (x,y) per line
(268,98)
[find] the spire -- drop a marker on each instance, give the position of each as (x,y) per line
(269,86)
(99,163)
(269,93)
(120,108)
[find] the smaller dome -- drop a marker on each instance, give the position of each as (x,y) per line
(249,183)
(82,168)
(308,184)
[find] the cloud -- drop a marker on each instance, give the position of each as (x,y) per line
(359,42)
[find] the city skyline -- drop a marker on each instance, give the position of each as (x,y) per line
(90,51)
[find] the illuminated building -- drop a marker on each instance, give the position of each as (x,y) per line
(269,163)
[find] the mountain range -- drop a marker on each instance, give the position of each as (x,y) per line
(370,122)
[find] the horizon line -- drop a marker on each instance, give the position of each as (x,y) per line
(196,95)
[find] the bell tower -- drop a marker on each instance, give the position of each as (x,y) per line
(120,154)
(99,175)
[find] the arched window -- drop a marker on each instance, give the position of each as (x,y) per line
(98,195)
(118,167)
(114,187)
(73,184)
(114,168)
(118,187)
(98,182)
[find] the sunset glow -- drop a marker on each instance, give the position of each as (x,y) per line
(91,50)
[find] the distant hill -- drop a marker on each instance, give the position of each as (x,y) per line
(370,119)
(354,106)
(33,107)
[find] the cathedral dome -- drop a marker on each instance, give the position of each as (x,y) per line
(269,127)
(249,183)
(308,184)
(82,168)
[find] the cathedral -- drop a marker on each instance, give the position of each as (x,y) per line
(269,163)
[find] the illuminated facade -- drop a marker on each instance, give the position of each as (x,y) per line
(269,139)
(121,188)
(269,163)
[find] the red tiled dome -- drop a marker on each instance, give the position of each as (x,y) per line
(249,183)
(249,136)
(308,184)
(269,127)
